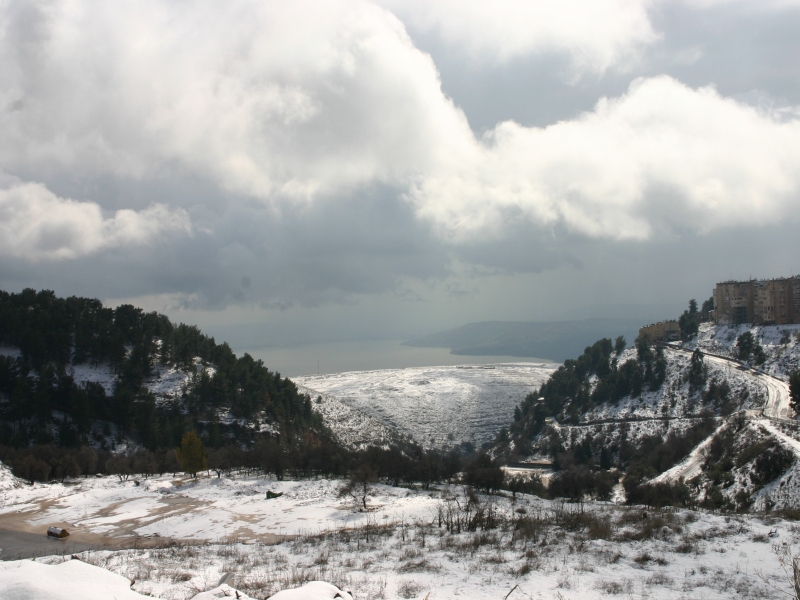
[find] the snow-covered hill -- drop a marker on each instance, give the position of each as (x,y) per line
(676,399)
(747,455)
(438,407)
(354,428)
(781,344)
(165,382)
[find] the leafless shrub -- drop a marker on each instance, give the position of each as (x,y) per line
(408,589)
(529,527)
(624,586)
(419,566)
(498,558)
(660,526)
(409,553)
(660,579)
(565,581)
(600,527)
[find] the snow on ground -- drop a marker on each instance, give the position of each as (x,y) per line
(9,351)
(671,408)
(781,344)
(31,580)
(165,382)
(353,428)
(436,406)
(544,550)
(692,465)
(7,482)
(315,590)
(101,373)
(400,547)
(69,579)
(674,399)
(209,509)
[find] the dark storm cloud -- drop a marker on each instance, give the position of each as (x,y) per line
(246,252)
(278,155)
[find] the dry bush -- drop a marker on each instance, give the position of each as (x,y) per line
(419,566)
(625,586)
(408,589)
(660,579)
(661,526)
(600,527)
(529,527)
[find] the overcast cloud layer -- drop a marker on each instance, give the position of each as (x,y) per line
(275,154)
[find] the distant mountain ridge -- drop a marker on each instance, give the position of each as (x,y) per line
(555,340)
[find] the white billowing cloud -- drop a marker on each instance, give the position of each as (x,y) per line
(597,35)
(308,100)
(294,99)
(35,224)
(661,156)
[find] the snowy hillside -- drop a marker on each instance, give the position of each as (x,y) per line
(438,407)
(781,344)
(675,399)
(166,383)
(354,428)
(719,425)
(83,374)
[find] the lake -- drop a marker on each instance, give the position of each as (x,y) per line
(340,357)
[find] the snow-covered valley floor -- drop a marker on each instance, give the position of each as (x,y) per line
(399,548)
(107,510)
(438,407)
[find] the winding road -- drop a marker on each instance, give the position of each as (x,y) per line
(776,408)
(778,400)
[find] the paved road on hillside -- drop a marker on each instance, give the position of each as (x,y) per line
(776,407)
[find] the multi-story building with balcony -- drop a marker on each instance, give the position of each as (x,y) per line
(763,302)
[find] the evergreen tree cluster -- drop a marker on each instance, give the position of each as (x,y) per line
(393,465)
(689,321)
(748,349)
(570,389)
(794,390)
(41,403)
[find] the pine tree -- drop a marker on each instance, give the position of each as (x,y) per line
(697,370)
(192,455)
(794,390)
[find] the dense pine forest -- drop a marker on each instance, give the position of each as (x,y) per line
(52,427)
(43,403)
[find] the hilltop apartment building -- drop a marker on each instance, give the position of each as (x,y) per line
(762,302)
(668,331)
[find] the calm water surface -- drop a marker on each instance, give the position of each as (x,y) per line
(339,357)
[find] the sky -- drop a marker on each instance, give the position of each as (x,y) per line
(329,171)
